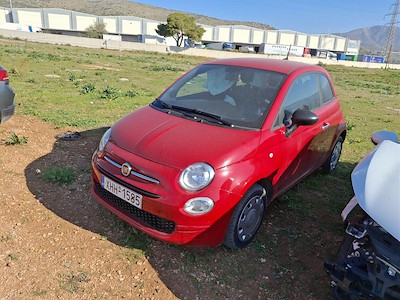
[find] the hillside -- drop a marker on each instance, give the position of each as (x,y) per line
(121,8)
(373,38)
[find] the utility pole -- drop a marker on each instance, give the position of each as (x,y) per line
(392,27)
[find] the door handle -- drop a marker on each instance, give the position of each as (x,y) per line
(325,126)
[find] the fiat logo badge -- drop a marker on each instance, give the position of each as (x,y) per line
(126,169)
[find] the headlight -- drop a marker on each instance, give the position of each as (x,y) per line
(104,140)
(198,206)
(196,176)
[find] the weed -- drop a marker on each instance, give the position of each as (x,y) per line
(280,271)
(139,285)
(165,68)
(354,141)
(71,282)
(71,76)
(110,93)
(44,56)
(39,292)
(264,287)
(5,238)
(31,80)
(16,140)
(131,93)
(61,175)
(87,88)
(14,71)
(11,257)
(350,125)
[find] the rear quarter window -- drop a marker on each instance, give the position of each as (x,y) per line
(326,89)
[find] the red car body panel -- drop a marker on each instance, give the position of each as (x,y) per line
(160,145)
(156,138)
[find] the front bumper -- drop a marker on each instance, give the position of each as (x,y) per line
(162,215)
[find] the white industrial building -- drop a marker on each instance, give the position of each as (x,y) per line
(134,29)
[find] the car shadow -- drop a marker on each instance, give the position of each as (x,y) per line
(47,175)
(299,231)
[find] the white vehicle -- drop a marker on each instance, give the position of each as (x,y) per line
(368,262)
(19,27)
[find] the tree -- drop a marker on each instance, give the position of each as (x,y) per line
(180,25)
(96,30)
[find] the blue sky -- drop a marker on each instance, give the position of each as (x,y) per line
(308,16)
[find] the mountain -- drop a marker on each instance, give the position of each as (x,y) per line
(121,8)
(373,38)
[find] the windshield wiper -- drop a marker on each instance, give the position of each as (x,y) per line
(203,113)
(165,105)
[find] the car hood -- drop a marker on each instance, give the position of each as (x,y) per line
(376,185)
(178,142)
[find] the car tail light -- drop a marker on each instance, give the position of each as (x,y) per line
(3,75)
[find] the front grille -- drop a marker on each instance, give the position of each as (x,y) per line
(142,216)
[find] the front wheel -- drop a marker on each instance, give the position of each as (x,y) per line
(246,219)
(333,160)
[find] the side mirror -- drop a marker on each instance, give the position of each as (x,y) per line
(301,118)
(304,117)
(380,136)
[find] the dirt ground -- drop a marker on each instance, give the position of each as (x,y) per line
(49,247)
(57,242)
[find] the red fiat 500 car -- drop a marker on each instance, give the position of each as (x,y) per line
(200,164)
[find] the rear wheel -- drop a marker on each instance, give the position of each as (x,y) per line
(333,160)
(247,218)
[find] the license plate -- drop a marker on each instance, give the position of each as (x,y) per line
(122,192)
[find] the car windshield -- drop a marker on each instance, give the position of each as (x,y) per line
(227,95)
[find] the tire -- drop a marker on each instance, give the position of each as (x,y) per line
(246,219)
(333,160)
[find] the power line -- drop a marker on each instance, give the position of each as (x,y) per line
(390,37)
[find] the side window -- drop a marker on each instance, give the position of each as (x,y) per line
(303,94)
(326,90)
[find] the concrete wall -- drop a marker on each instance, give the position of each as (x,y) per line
(287,38)
(3,15)
(58,21)
(29,17)
(120,45)
(241,35)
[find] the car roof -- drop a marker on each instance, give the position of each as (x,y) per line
(276,65)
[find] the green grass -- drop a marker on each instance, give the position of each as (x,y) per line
(86,88)
(301,228)
(62,175)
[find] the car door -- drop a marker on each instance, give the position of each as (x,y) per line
(302,151)
(329,116)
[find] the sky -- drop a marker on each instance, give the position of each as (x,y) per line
(307,16)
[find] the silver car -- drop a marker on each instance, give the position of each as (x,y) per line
(7,105)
